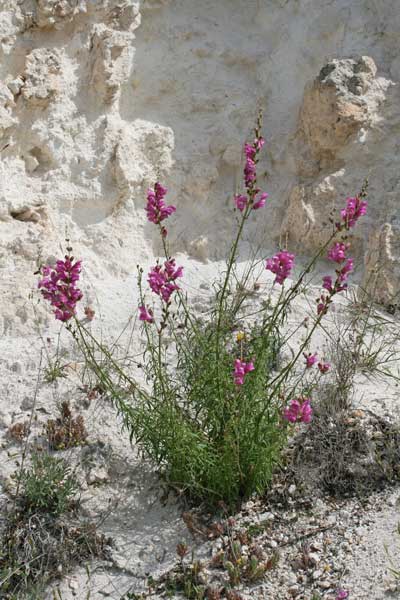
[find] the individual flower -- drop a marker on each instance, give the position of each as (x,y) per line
(343,273)
(161,279)
(355,208)
(338,252)
(250,150)
(281,265)
(259,143)
(299,410)
(261,201)
(306,411)
(324,367)
(240,336)
(327,283)
(58,286)
(156,208)
(311,359)
(145,315)
(241,368)
(241,202)
(341,594)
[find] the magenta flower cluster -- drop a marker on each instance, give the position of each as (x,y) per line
(299,410)
(58,286)
(281,265)
(355,208)
(341,594)
(250,150)
(255,197)
(162,279)
(241,369)
(156,208)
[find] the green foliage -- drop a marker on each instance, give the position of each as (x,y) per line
(47,486)
(41,537)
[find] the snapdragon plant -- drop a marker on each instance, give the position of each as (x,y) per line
(217,403)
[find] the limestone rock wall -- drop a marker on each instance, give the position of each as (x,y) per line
(100,98)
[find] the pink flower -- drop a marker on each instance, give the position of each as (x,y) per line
(241,202)
(311,359)
(338,252)
(355,208)
(292,412)
(341,594)
(241,368)
(327,283)
(324,367)
(306,411)
(281,264)
(161,279)
(261,201)
(345,270)
(58,286)
(299,410)
(250,151)
(145,315)
(250,174)
(156,208)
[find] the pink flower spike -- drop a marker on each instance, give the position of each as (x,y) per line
(241,202)
(311,359)
(161,279)
(341,594)
(261,201)
(145,315)
(156,208)
(58,286)
(324,367)
(281,265)
(355,208)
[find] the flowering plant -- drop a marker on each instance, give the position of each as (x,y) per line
(220,401)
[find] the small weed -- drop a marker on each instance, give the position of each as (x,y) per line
(41,538)
(47,486)
(66,431)
(54,370)
(18,431)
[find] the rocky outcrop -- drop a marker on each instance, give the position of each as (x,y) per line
(382,266)
(337,144)
(99,99)
(344,98)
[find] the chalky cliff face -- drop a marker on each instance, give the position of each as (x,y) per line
(101,98)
